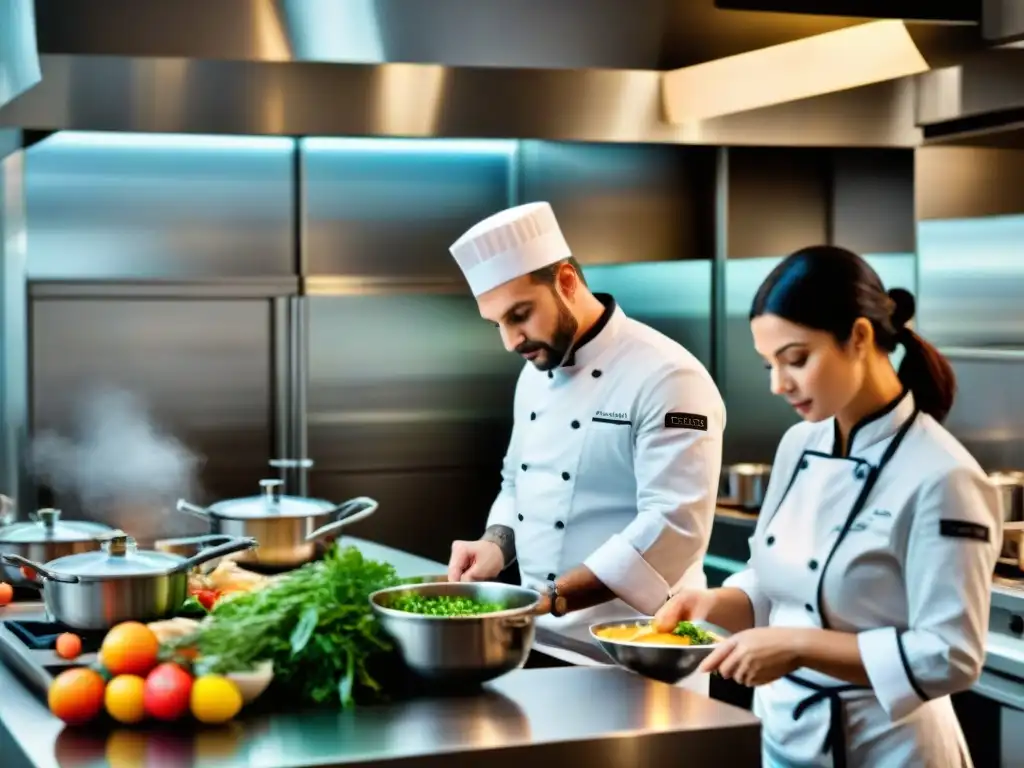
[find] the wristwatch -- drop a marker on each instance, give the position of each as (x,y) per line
(558,603)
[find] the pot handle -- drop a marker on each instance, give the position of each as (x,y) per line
(39,569)
(192,509)
(348,512)
(208,539)
(230,547)
(517,622)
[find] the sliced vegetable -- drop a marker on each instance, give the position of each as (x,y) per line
(207,598)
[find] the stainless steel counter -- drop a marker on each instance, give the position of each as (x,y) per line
(596,716)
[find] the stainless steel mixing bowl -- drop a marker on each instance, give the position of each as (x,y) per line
(461,651)
(665,663)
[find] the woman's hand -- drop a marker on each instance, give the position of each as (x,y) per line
(683,606)
(756,656)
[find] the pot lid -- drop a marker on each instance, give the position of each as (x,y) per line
(271,503)
(46,526)
(119,557)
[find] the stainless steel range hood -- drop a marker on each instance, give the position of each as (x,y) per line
(582,70)
(979,102)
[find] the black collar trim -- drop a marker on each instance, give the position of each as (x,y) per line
(595,329)
(875,416)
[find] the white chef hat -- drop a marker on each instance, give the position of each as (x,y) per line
(509,244)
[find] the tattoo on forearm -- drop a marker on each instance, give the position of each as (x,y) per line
(505,538)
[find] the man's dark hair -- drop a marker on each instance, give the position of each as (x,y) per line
(546,275)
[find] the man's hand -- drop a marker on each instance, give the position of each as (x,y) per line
(475,561)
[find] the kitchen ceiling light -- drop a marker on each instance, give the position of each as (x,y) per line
(834,61)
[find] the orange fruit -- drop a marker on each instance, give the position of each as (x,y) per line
(130,648)
(76,695)
(123,699)
(6,593)
(68,645)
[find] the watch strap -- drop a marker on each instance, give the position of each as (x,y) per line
(557,601)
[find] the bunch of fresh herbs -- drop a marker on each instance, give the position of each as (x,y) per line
(315,625)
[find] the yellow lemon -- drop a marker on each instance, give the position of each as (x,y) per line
(123,699)
(215,699)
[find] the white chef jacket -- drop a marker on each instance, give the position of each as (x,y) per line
(614,463)
(911,576)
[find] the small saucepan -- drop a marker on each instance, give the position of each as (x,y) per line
(288,528)
(43,537)
(1010,485)
(96,590)
(744,485)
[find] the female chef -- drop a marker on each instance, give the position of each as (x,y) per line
(865,601)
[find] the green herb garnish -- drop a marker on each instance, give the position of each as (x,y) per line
(443,605)
(315,625)
(697,635)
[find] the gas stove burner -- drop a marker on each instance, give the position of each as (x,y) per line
(27,649)
(42,635)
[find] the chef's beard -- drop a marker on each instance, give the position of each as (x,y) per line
(554,352)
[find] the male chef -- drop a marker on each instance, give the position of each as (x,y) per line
(610,480)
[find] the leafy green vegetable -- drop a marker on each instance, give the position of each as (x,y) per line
(443,605)
(315,625)
(695,633)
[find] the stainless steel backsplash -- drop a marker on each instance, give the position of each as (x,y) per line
(971,304)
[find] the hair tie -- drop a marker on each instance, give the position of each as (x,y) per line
(902,311)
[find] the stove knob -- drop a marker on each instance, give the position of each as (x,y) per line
(1017,624)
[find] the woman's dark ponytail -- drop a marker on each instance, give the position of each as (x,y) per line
(924,370)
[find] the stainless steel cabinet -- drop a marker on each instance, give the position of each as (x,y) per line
(124,206)
(391,208)
(202,368)
(625,203)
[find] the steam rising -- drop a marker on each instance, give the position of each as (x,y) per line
(117,463)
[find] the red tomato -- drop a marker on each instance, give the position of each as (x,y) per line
(167,691)
(6,593)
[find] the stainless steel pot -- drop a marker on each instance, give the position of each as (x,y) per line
(96,590)
(1011,501)
(46,537)
(744,485)
(288,528)
(1011,494)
